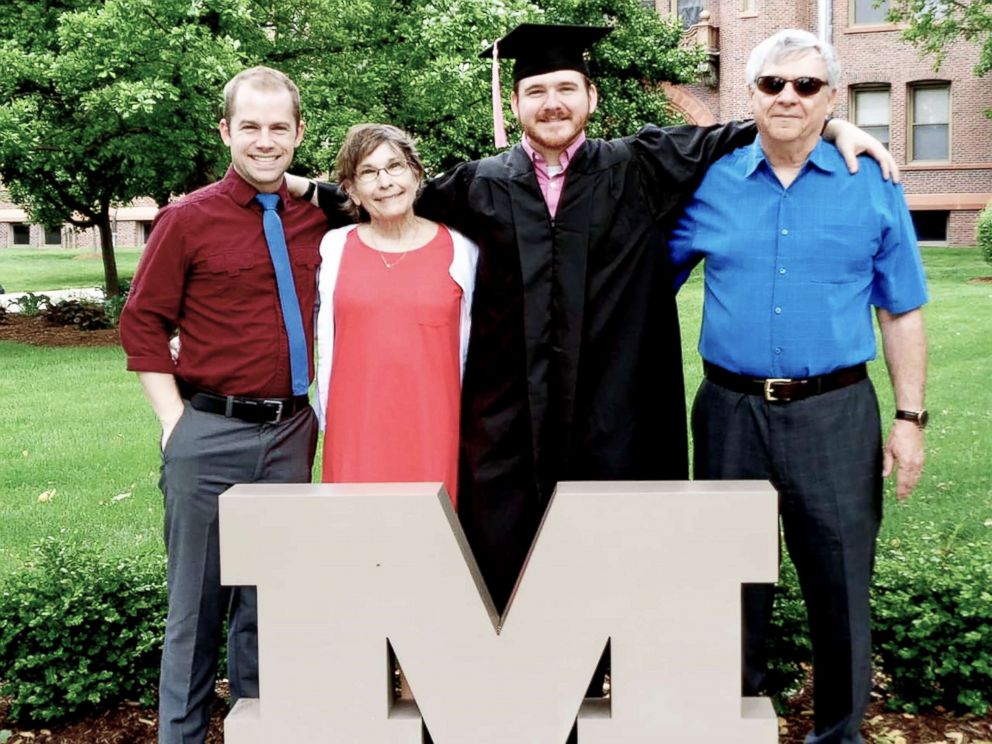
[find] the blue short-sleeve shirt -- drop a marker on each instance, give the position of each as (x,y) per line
(791,273)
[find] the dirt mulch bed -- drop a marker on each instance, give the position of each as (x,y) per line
(35,331)
(980,280)
(130,724)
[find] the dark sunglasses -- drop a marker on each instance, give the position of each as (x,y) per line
(772,85)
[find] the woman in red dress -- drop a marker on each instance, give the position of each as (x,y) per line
(393,324)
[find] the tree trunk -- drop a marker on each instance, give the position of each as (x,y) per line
(111,283)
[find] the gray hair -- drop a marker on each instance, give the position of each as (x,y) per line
(789,42)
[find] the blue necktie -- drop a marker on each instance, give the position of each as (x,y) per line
(274,236)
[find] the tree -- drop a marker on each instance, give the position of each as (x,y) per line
(102,101)
(105,102)
(936,24)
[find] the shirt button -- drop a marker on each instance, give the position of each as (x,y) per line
(778,311)
(778,349)
(781,271)
(785,231)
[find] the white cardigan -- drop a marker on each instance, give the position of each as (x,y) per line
(462,271)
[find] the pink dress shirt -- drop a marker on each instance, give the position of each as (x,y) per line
(552,183)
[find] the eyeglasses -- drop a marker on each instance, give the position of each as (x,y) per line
(772,85)
(395,168)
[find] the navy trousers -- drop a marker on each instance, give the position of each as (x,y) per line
(823,455)
(205,455)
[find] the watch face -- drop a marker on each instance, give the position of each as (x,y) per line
(920,418)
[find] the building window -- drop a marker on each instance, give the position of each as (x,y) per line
(871,111)
(749,6)
(53,237)
(22,233)
(930,122)
(931,225)
(687,11)
(648,4)
(146,232)
(869,12)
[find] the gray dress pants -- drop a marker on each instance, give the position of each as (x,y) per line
(205,455)
(823,456)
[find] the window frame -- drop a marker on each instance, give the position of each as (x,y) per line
(25,229)
(855,89)
(853,15)
(912,89)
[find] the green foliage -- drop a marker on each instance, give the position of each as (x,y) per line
(933,624)
(983,232)
(88,316)
(78,632)
(32,304)
(114,304)
(789,649)
(933,25)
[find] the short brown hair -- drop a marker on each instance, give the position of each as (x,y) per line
(263,78)
(360,142)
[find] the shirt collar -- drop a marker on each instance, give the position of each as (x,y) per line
(243,193)
(563,160)
(824,157)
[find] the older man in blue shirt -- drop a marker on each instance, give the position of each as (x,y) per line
(797,252)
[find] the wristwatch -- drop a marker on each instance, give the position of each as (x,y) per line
(920,418)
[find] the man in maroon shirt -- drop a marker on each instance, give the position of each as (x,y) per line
(227,407)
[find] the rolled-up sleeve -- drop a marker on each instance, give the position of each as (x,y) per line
(154,304)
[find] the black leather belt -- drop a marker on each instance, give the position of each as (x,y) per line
(253,410)
(784,389)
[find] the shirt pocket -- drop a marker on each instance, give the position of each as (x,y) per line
(434,305)
(231,263)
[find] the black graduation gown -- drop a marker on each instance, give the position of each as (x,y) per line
(574,367)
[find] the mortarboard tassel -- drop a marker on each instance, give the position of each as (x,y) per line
(499,128)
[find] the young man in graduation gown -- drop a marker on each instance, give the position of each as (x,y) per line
(574,368)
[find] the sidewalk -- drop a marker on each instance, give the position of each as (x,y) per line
(8,300)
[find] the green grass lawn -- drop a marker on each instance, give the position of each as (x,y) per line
(75,423)
(35,269)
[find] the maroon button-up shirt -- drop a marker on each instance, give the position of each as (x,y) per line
(206,272)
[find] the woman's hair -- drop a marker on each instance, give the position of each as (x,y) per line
(787,43)
(360,142)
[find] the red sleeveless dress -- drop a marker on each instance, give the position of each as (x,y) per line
(393,403)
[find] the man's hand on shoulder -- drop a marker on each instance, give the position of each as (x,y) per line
(852,141)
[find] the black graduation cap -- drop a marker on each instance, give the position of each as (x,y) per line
(538,48)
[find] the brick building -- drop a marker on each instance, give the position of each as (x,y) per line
(933,122)
(131,225)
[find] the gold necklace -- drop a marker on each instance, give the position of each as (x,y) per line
(382,253)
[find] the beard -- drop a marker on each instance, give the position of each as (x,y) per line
(558,137)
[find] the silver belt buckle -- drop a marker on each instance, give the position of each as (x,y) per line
(278,404)
(770,389)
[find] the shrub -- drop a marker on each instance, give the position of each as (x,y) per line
(88,316)
(3,315)
(114,305)
(983,232)
(79,632)
(933,625)
(32,304)
(789,648)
